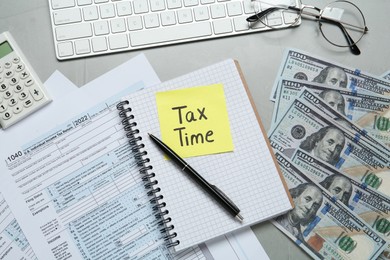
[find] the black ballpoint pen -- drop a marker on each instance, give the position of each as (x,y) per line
(212,190)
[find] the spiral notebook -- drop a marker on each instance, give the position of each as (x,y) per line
(249,174)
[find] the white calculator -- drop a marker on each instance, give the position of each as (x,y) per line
(21,91)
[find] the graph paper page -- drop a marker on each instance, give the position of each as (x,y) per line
(247,175)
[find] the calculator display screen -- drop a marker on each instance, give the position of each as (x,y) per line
(5,49)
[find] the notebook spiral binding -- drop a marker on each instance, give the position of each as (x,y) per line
(159,207)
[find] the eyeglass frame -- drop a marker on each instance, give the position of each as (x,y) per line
(351,43)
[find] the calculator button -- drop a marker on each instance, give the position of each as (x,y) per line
(8,73)
(3,87)
(19,67)
(18,88)
(29,82)
(13,81)
(27,103)
(17,109)
(7,65)
(23,95)
(1,78)
(3,107)
(24,75)
(8,94)
(16,60)
(37,94)
(7,115)
(12,102)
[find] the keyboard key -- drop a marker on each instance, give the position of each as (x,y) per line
(140,6)
(203,2)
(65,49)
(90,13)
(167,34)
(173,4)
(190,2)
(201,13)
(58,4)
(118,41)
(218,11)
(107,11)
(83,2)
(74,31)
(101,28)
(134,23)
(248,7)
(184,16)
(168,18)
(151,20)
(67,16)
(157,5)
(222,26)
(274,22)
(99,44)
(234,8)
(101,1)
(123,8)
(82,46)
(118,25)
(289,17)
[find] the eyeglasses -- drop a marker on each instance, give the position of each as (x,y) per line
(341,22)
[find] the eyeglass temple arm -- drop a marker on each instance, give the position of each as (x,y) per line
(258,16)
(352,45)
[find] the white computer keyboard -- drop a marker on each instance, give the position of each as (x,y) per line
(91,27)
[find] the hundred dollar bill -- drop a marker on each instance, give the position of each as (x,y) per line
(303,126)
(377,125)
(352,104)
(338,118)
(370,205)
(300,65)
(367,111)
(322,226)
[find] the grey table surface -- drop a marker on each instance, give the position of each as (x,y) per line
(259,55)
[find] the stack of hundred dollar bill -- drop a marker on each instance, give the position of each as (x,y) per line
(331,137)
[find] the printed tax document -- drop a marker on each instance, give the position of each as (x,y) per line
(249,244)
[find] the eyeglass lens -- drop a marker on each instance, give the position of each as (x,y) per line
(341,22)
(351,19)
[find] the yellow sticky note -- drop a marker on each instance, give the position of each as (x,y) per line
(194,121)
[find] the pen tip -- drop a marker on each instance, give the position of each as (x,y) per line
(239,217)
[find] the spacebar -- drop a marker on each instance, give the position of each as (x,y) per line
(167,34)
